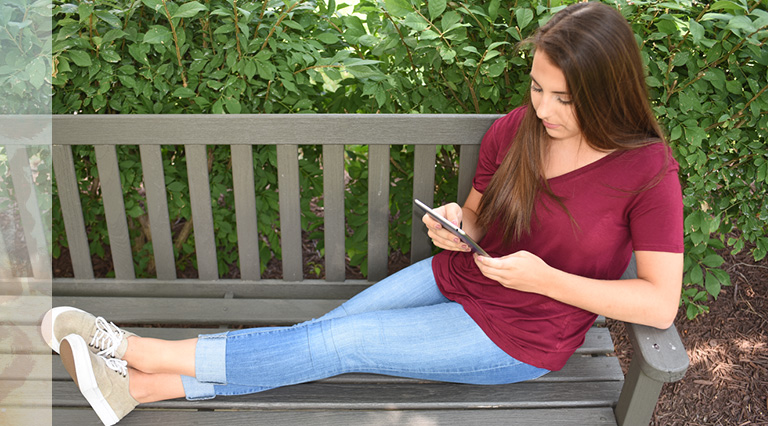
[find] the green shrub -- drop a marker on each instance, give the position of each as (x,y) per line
(707,68)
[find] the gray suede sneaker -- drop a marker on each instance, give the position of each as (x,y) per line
(104,338)
(102,381)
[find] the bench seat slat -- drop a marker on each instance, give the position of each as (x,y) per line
(578,369)
(598,416)
(424,396)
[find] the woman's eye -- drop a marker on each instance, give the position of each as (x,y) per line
(564,101)
(536,89)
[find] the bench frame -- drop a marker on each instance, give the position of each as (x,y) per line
(659,355)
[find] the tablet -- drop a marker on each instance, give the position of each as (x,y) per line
(453,229)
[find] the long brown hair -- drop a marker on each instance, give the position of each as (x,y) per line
(592,44)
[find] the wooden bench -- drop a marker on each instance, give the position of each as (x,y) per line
(590,390)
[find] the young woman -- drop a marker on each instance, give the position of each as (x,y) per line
(566,188)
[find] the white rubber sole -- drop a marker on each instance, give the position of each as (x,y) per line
(46,328)
(77,360)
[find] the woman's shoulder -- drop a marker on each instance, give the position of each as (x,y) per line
(511,120)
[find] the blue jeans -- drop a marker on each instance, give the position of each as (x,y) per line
(402,326)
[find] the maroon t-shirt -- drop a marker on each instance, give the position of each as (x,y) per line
(614,215)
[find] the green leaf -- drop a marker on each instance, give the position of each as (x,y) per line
(328,38)
(188,10)
(184,92)
(80,58)
(726,5)
(436,8)
(523,17)
(712,284)
(713,261)
(157,34)
(109,18)
(398,8)
(110,55)
(416,22)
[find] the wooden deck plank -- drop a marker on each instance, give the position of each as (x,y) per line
(599,416)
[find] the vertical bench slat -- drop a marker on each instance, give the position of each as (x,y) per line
(424,190)
(378,211)
(114,209)
(29,210)
(245,212)
(72,211)
(290,211)
(333,213)
(157,210)
(468,156)
(202,216)
(6,270)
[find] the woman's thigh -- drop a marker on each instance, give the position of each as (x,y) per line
(411,287)
(437,342)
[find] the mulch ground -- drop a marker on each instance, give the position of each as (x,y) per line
(727,382)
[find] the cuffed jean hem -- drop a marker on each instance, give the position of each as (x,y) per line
(195,390)
(210,367)
(210,358)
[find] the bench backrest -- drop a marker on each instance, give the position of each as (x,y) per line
(240,132)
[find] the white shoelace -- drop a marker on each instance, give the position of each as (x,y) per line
(107,337)
(117,365)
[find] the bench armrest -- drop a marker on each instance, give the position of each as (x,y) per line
(660,353)
(658,357)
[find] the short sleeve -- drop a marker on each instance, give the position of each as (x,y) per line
(494,147)
(656,215)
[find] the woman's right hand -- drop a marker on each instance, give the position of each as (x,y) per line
(440,236)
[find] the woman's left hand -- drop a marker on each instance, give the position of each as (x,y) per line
(522,271)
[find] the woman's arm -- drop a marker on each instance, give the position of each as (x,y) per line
(466,216)
(651,299)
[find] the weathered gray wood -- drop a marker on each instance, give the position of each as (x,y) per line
(638,397)
(425,396)
(29,211)
(290,211)
(598,416)
(273,129)
(201,311)
(378,211)
(424,190)
(202,216)
(468,156)
(6,271)
(72,211)
(333,212)
(245,212)
(579,368)
(114,210)
(157,211)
